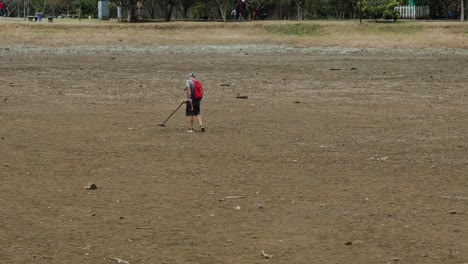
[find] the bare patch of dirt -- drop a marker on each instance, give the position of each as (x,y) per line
(357,156)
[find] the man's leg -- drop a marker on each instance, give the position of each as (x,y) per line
(199,119)
(190,119)
(189,114)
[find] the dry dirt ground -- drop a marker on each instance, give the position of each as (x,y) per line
(334,157)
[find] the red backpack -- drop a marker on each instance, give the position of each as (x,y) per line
(197,90)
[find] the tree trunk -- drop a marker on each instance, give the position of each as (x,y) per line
(253,15)
(130,12)
(168,14)
(129,6)
(222,7)
(360,12)
(185,13)
(300,5)
(462,7)
(254,10)
(168,7)
(298,10)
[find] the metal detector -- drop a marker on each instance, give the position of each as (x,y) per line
(163,123)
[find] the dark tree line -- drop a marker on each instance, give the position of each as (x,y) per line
(135,10)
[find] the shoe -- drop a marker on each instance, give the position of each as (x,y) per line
(202,128)
(190,130)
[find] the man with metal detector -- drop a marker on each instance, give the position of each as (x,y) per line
(194,91)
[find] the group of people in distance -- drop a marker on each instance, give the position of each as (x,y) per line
(240,11)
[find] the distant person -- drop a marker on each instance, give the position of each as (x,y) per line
(239,9)
(194,92)
(245,11)
(1,8)
(233,13)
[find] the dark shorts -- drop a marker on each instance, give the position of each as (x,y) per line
(196,108)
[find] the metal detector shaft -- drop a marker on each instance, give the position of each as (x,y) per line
(163,124)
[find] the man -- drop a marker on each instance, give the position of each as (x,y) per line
(193,103)
(238,9)
(1,8)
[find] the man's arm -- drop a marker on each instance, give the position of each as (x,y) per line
(188,90)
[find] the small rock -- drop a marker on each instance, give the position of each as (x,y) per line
(237,208)
(91,186)
(453,212)
(349,243)
(396,259)
(259,206)
(265,255)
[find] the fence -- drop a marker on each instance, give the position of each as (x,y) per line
(413,11)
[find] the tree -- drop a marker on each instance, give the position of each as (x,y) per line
(186,5)
(276,9)
(256,6)
(321,9)
(339,10)
(462,9)
(129,7)
(222,7)
(168,7)
(11,7)
(382,8)
(300,9)
(389,11)
(360,11)
(153,7)
(39,5)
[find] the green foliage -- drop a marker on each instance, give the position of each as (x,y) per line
(320,9)
(297,29)
(389,10)
(88,8)
(256,7)
(264,9)
(381,8)
(203,9)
